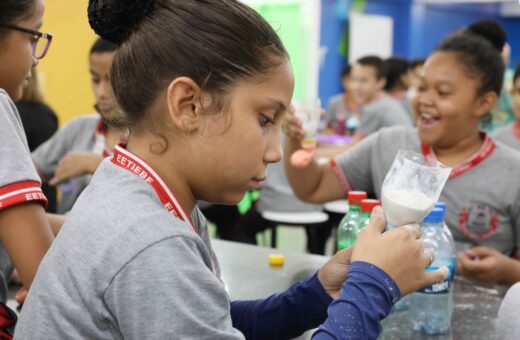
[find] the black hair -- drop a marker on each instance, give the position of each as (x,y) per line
(214,42)
(13,10)
(416,63)
(377,63)
(345,71)
(396,68)
(517,73)
(491,30)
(478,58)
(103,46)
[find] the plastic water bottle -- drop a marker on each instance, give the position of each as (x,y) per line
(367,205)
(431,307)
(348,228)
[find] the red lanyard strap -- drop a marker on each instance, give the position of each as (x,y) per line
(130,162)
(485,150)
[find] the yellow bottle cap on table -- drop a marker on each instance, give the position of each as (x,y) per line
(276,259)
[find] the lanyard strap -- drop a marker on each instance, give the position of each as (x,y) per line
(485,150)
(516,130)
(130,162)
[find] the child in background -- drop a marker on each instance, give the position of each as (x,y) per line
(492,31)
(39,123)
(378,110)
(73,154)
(414,77)
(341,117)
(398,82)
(510,134)
(133,259)
(25,233)
(461,82)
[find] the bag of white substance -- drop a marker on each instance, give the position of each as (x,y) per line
(411,187)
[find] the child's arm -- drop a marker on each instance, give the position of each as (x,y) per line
(314,183)
(25,232)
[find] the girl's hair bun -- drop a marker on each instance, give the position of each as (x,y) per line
(114,20)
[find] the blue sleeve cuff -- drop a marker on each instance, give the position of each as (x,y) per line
(379,275)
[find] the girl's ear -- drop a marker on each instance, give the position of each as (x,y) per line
(184,105)
(485,103)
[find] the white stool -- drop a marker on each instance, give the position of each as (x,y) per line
(337,207)
(305,219)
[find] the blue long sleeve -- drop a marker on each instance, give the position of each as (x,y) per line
(365,299)
(285,315)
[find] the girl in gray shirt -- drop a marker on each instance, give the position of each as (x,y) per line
(461,82)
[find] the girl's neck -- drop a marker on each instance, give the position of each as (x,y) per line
(165,165)
(461,151)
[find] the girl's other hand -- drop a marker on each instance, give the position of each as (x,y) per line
(292,126)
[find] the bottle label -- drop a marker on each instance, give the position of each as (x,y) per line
(442,287)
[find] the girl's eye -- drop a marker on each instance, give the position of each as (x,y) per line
(443,93)
(265,120)
(96,81)
(421,88)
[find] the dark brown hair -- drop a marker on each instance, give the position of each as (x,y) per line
(478,58)
(214,42)
(12,10)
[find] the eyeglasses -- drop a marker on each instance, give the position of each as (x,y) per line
(40,42)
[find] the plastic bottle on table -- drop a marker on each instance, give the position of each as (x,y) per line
(348,228)
(431,308)
(367,205)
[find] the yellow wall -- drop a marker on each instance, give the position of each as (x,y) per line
(65,67)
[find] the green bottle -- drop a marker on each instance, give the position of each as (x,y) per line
(349,226)
(367,205)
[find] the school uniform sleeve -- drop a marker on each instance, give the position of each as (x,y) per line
(168,292)
(353,167)
(285,315)
(19,181)
(47,155)
(365,299)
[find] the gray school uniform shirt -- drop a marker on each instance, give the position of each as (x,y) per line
(337,108)
(19,181)
(78,135)
(509,135)
(123,267)
(483,203)
(382,112)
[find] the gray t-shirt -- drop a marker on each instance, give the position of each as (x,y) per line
(508,325)
(123,267)
(483,201)
(509,135)
(337,109)
(382,112)
(19,181)
(408,107)
(277,195)
(78,135)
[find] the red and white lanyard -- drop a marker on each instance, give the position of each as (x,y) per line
(516,130)
(485,150)
(130,162)
(100,140)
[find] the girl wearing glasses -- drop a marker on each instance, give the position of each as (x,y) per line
(204,103)
(25,233)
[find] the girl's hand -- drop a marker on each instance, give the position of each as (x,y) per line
(75,164)
(399,252)
(292,126)
(487,265)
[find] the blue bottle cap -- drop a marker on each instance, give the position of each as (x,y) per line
(441,205)
(435,216)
